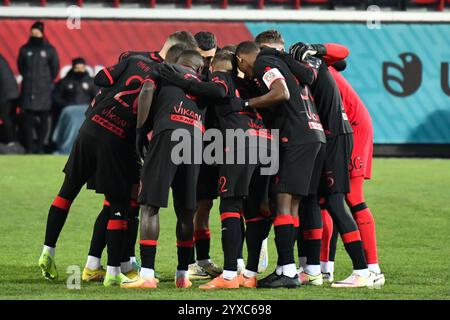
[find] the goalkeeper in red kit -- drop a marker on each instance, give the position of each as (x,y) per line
(360,169)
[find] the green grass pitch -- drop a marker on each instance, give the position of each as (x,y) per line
(410,200)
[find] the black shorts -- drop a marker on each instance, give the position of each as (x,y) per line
(296,169)
(160,173)
(234,178)
(335,176)
(108,168)
(256,204)
(207,182)
(314,185)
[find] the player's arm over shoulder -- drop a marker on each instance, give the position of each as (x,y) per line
(108,76)
(217,88)
(274,80)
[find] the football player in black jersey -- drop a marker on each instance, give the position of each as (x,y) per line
(241,185)
(335,177)
(129,265)
(286,105)
(335,182)
(201,266)
(176,113)
(104,157)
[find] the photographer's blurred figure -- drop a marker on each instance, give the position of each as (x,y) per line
(38,64)
(71,98)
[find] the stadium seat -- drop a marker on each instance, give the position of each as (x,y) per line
(258,3)
(291,4)
(429,4)
(215,3)
(356,4)
(134,3)
(24,2)
(438,5)
(81,3)
(393,4)
(184,3)
(328,4)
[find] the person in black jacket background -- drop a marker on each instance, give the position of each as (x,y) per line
(38,64)
(9,91)
(76,88)
(71,98)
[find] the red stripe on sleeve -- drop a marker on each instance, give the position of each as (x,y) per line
(106,203)
(283,219)
(117,225)
(351,236)
(152,81)
(226,215)
(149,242)
(312,234)
(185,244)
(217,80)
(155,57)
(335,52)
(111,81)
(62,203)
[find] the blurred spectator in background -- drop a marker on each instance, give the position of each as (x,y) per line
(71,98)
(38,64)
(9,91)
(76,88)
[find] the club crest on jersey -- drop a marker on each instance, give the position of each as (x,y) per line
(85,85)
(271,75)
(43,54)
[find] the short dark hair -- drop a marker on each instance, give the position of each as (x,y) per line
(173,54)
(230,47)
(206,40)
(246,47)
(269,36)
(190,57)
(223,55)
(184,37)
